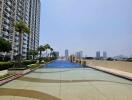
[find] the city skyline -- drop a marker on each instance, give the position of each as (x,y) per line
(87,25)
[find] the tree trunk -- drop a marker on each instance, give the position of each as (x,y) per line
(33,56)
(40,56)
(46,53)
(4,56)
(20,49)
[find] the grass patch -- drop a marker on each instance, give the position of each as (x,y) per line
(6,76)
(16,68)
(33,66)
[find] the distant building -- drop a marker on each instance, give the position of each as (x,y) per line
(79,54)
(66,54)
(104,54)
(98,55)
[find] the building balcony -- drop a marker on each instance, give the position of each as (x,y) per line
(9,3)
(6,33)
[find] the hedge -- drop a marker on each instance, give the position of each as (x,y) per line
(7,65)
(28,62)
(47,59)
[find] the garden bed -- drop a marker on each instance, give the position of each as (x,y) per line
(6,76)
(20,71)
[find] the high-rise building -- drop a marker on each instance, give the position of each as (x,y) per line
(34,23)
(98,55)
(15,10)
(66,54)
(1,9)
(79,54)
(104,54)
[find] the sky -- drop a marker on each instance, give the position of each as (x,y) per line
(87,25)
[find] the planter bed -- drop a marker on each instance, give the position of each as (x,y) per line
(18,71)
(17,68)
(6,76)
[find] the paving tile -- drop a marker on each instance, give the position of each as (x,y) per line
(54,91)
(72,84)
(16,84)
(6,97)
(22,98)
(115,91)
(80,92)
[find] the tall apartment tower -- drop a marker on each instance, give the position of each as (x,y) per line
(98,55)
(1,9)
(79,54)
(34,23)
(66,54)
(104,54)
(15,10)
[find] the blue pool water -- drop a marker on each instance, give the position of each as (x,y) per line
(62,64)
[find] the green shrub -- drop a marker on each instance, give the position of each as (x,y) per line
(28,62)
(25,63)
(48,59)
(129,60)
(34,65)
(110,59)
(6,65)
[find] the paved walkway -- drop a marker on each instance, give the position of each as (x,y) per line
(67,84)
(120,73)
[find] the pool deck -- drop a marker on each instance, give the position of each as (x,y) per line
(67,84)
(123,74)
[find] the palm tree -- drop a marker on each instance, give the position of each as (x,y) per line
(51,49)
(21,27)
(47,46)
(54,55)
(32,53)
(40,49)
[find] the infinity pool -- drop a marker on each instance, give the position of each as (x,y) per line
(63,64)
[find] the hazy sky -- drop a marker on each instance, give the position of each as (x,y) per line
(88,25)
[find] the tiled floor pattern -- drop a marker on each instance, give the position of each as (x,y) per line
(67,84)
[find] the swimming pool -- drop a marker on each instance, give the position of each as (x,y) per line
(62,64)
